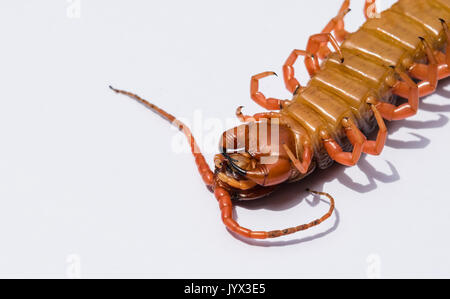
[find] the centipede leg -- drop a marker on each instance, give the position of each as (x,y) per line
(370,9)
(374,147)
(443,65)
(447,50)
(247,118)
(408,87)
(429,72)
(291,82)
(315,43)
(337,26)
(226,208)
(335,151)
(420,71)
(307,155)
(259,98)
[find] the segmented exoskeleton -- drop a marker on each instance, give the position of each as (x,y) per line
(401,52)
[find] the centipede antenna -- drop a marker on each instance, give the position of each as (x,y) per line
(226,207)
(203,168)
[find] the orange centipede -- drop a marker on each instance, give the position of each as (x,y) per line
(354,86)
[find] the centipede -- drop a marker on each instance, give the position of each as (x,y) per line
(357,82)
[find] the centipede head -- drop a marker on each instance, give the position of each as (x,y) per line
(252,162)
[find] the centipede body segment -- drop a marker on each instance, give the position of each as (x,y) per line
(356,79)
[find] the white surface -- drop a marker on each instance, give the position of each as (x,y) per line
(90,184)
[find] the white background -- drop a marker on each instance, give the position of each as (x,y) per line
(90,183)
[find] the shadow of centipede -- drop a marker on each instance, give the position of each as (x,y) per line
(291,195)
